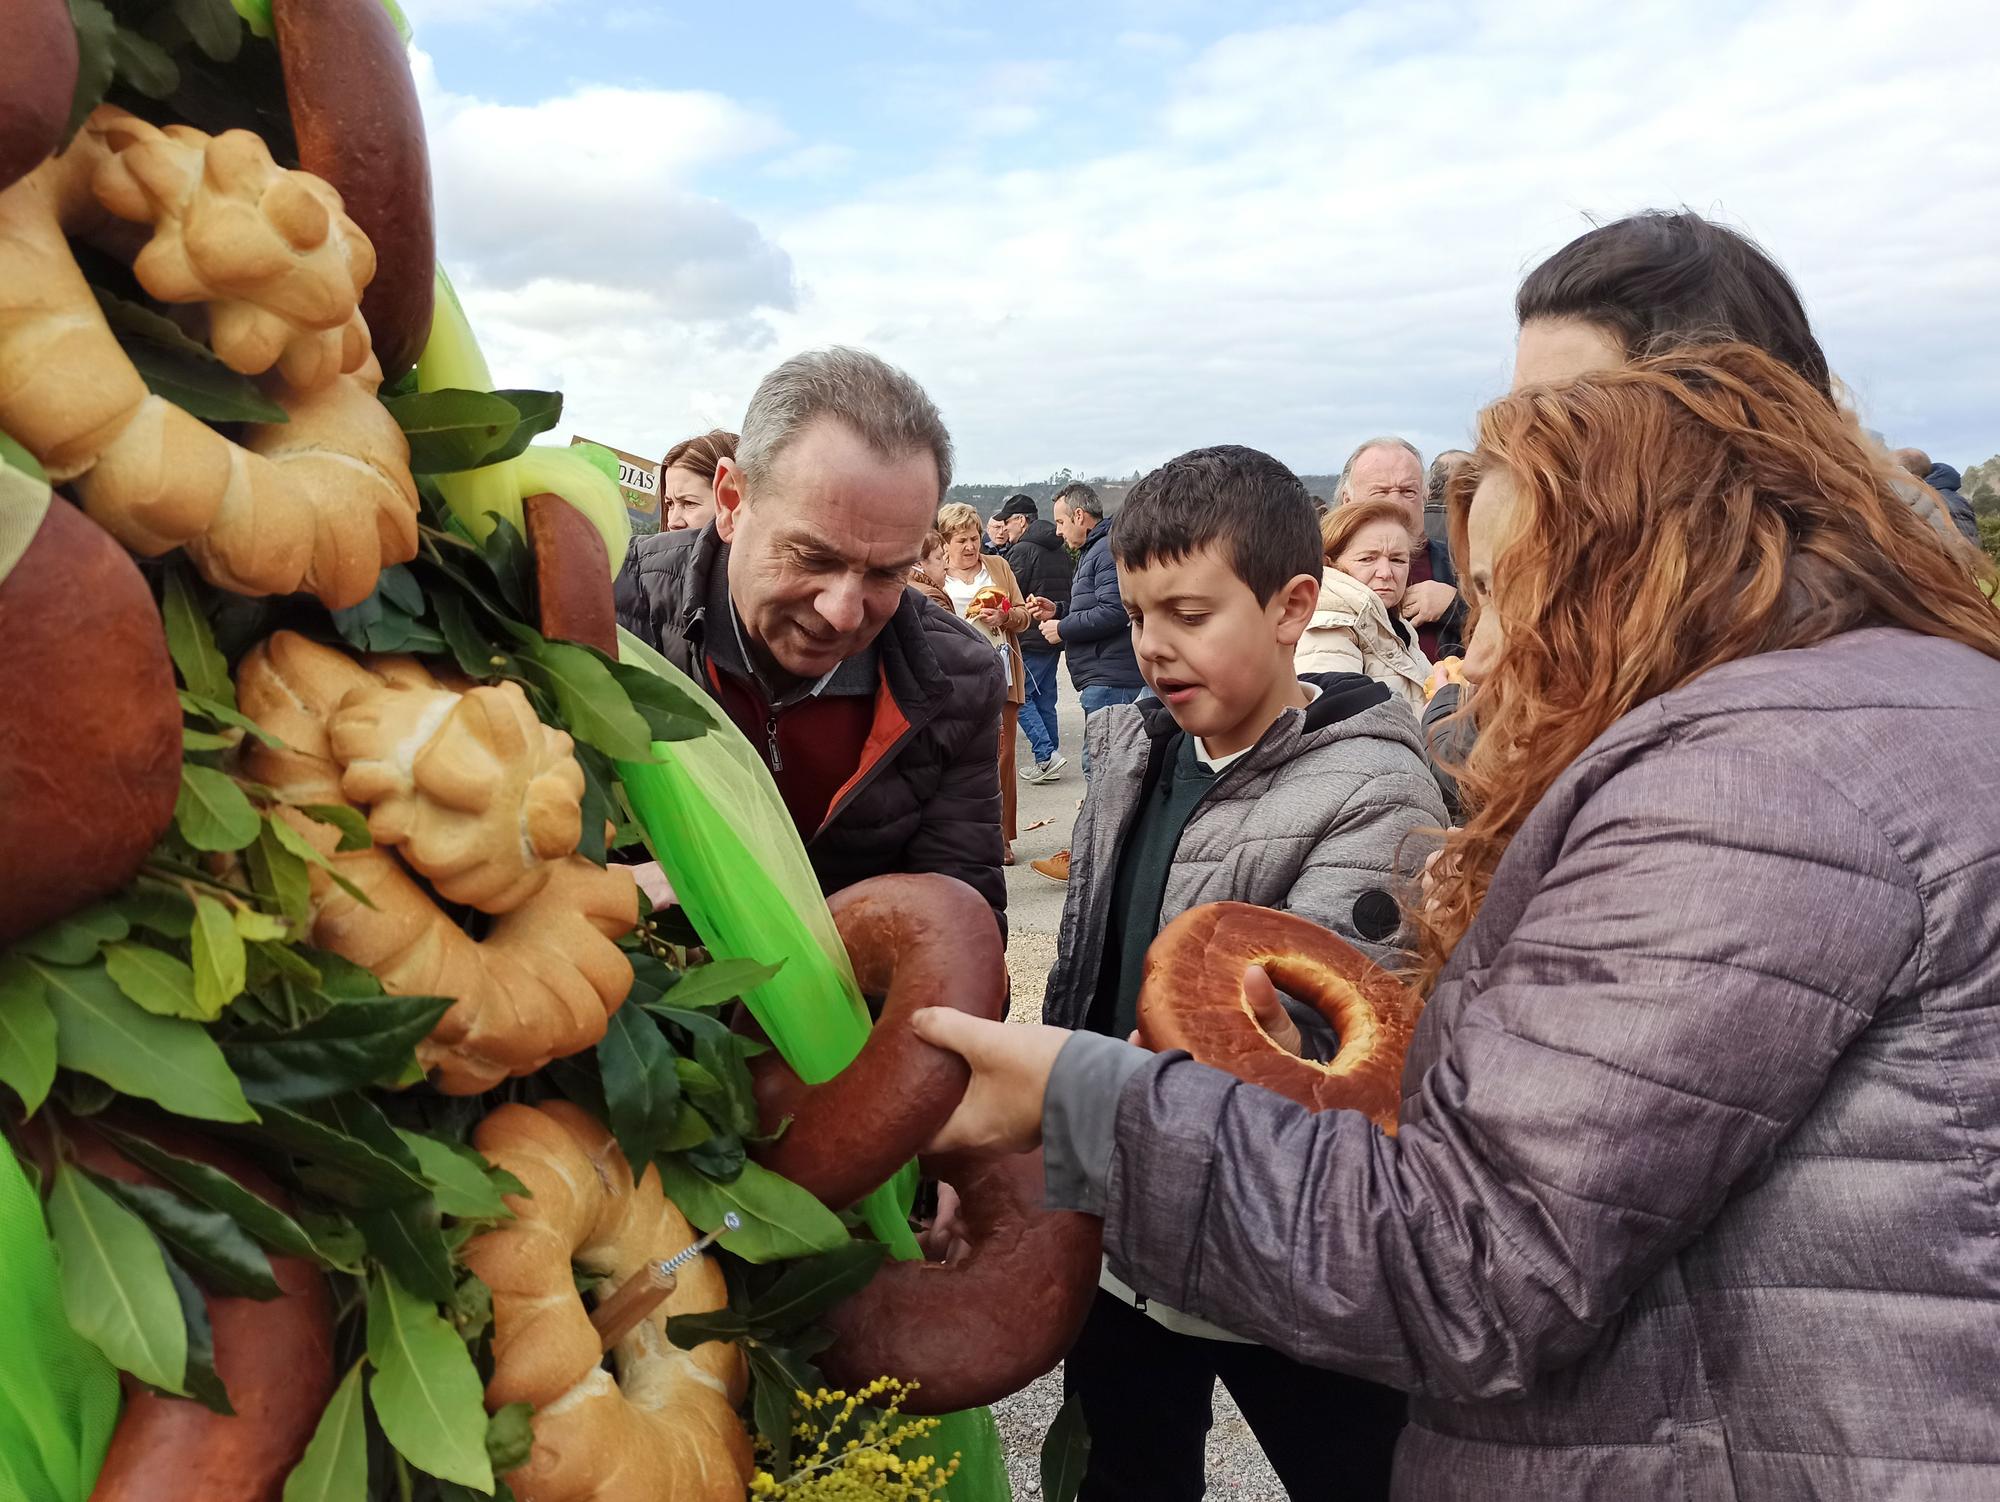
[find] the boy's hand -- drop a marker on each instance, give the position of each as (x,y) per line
(1002,1109)
(1052,632)
(1270,1012)
(943,1240)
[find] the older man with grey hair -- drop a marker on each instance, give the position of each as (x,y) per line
(1391,469)
(877,712)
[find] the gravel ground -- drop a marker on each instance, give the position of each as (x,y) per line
(1236,1466)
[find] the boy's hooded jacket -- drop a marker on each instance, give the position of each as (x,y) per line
(1324,817)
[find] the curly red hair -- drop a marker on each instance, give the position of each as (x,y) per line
(1674,514)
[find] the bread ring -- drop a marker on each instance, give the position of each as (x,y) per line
(321,501)
(915,941)
(666,1429)
(972,1331)
(1192,999)
(544,981)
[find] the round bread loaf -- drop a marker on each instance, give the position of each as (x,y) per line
(274,1356)
(90,744)
(37,78)
(572,574)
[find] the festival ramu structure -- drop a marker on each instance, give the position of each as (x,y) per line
(366,1135)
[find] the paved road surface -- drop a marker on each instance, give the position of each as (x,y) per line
(1236,1466)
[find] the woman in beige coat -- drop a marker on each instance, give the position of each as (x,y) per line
(967,572)
(1356,628)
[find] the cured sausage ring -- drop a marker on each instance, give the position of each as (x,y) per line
(914,941)
(973,1330)
(1192,998)
(970,1332)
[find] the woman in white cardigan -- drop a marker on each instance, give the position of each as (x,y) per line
(1356,628)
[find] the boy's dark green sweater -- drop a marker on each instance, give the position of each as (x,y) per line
(1176,781)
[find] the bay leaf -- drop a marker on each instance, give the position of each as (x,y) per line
(641,1086)
(27,1033)
(102,1033)
(426,1391)
(211,811)
(115,1287)
(334,1467)
(220,963)
(209,1241)
(780,1220)
(156,980)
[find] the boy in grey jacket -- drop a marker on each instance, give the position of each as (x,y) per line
(1240,781)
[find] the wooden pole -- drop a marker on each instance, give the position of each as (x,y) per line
(636,1298)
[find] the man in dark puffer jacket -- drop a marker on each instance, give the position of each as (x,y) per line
(877,713)
(1041,561)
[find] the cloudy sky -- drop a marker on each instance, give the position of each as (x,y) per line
(1102,233)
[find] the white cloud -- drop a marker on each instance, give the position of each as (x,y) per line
(1317,236)
(1322,237)
(599,185)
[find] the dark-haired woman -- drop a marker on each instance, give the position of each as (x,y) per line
(1645,285)
(1654,282)
(1696,1187)
(687,480)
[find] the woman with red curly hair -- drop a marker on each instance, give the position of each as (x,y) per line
(1696,1186)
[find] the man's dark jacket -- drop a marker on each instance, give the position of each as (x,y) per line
(1451,628)
(1043,565)
(1945,480)
(927,794)
(1095,628)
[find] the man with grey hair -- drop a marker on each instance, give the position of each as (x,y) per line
(877,713)
(1391,469)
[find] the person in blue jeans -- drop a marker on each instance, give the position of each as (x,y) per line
(1044,565)
(1094,632)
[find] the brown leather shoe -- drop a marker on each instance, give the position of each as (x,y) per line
(1055,867)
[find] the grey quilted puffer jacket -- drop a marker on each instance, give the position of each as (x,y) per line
(1697,1187)
(1328,811)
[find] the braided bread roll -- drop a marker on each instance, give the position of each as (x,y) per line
(665,1430)
(479,794)
(544,981)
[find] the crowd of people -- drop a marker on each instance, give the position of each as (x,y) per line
(1652,739)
